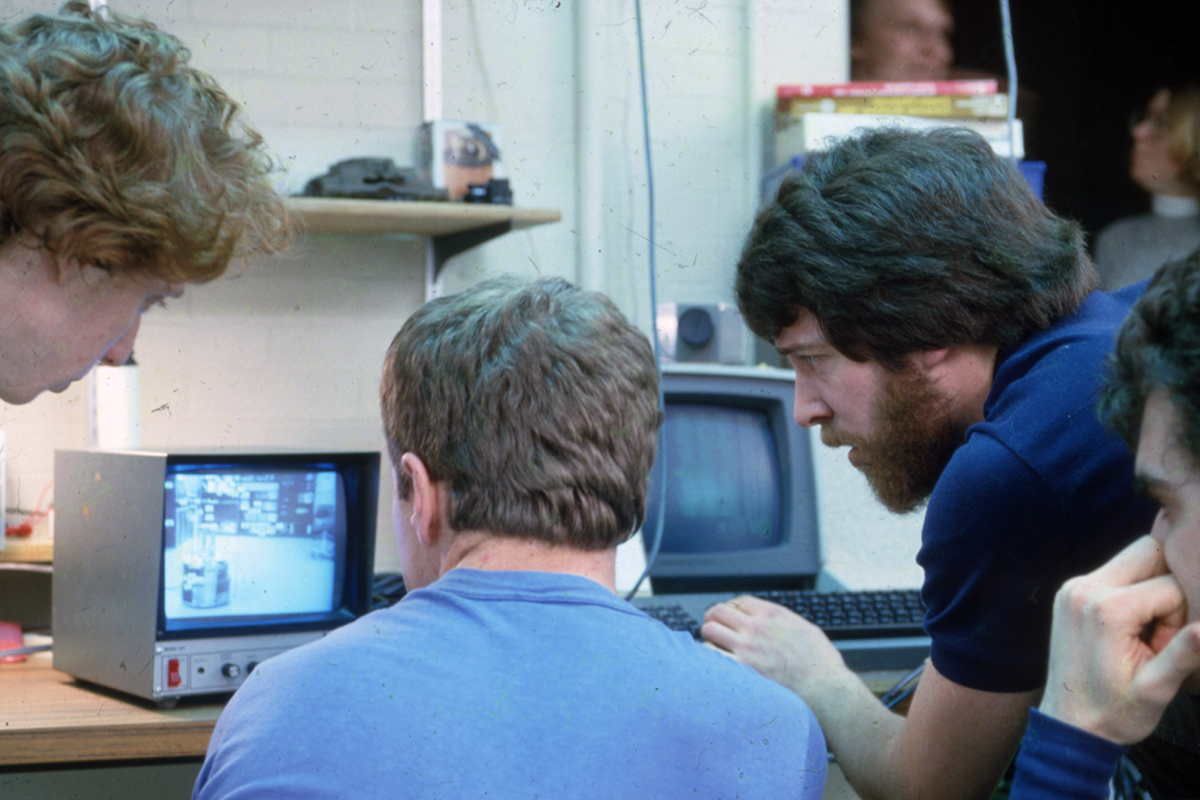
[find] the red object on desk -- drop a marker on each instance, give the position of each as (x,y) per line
(10,639)
(24,529)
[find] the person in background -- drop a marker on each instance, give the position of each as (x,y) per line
(1165,161)
(900,40)
(1126,637)
(910,40)
(521,422)
(124,175)
(942,323)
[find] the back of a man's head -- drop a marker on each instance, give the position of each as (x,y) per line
(536,403)
(116,153)
(1158,349)
(901,241)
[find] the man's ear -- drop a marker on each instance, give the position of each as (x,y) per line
(68,269)
(927,361)
(426,499)
(65,269)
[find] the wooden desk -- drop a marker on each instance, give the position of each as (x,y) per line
(48,718)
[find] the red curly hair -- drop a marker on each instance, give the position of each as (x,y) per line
(114,152)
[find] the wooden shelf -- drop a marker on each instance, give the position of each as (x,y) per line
(374,217)
(449,227)
(26,552)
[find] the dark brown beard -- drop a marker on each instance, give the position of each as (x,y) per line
(914,438)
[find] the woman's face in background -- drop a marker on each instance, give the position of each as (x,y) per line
(1151,164)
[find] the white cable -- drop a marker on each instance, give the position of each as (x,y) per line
(1010,61)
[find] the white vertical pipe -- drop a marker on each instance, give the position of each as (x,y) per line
(755,159)
(590,89)
(113,408)
(433,281)
(431,94)
(431,57)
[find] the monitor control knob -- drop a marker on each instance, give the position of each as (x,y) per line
(250,667)
(696,327)
(231,670)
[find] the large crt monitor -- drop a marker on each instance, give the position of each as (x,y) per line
(740,496)
(176,574)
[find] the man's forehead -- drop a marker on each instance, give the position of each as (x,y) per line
(805,331)
(907,12)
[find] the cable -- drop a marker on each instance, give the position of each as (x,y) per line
(903,688)
(25,651)
(1010,61)
(26,528)
(662,454)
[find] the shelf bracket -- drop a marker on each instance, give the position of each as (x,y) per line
(451,244)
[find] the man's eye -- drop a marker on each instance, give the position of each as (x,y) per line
(805,364)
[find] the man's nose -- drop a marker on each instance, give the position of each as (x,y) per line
(119,354)
(809,408)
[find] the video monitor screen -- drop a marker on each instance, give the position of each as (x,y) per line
(244,545)
(724,480)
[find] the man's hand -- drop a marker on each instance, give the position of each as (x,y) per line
(777,642)
(1119,653)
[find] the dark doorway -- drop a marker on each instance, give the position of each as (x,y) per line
(1090,63)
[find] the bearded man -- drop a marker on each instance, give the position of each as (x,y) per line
(943,323)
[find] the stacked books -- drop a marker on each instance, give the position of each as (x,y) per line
(810,116)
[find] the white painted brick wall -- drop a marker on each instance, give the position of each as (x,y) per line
(288,354)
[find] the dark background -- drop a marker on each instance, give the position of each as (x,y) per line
(1090,64)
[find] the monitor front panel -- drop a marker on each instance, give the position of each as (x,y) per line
(740,510)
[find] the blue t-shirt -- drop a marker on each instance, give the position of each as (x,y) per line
(1040,491)
(511,685)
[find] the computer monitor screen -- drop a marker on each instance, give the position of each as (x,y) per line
(725,482)
(740,501)
(251,544)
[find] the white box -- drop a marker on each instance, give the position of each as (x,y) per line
(713,333)
(453,154)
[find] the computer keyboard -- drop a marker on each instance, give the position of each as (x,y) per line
(860,614)
(674,617)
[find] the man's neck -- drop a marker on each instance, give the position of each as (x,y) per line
(476,550)
(970,380)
